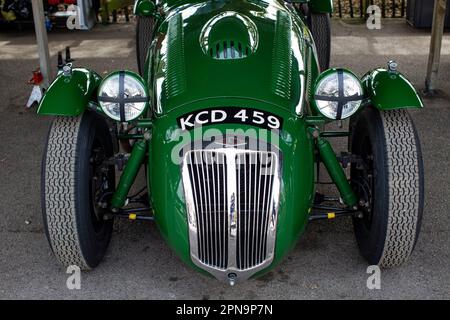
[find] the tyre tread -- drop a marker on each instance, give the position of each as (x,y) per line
(320,27)
(59,194)
(404,170)
(144,33)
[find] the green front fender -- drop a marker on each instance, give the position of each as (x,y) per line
(390,90)
(70,95)
(144,8)
(318,6)
(321,6)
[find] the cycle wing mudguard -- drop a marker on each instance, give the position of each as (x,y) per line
(389,90)
(70,93)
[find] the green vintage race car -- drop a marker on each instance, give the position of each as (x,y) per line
(227,121)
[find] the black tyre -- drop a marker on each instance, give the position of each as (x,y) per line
(321,30)
(74,180)
(389,182)
(144,35)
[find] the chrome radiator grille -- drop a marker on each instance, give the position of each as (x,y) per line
(231,199)
(208,177)
(254,191)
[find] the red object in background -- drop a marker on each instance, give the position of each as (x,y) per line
(56,2)
(37,78)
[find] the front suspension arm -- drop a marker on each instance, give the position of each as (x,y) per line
(335,170)
(129,174)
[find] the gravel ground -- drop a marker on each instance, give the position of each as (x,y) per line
(325,263)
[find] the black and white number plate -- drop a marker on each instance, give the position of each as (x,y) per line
(211,116)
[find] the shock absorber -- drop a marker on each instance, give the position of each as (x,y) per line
(335,170)
(129,174)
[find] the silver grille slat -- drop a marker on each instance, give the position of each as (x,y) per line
(253,213)
(209,208)
(231,198)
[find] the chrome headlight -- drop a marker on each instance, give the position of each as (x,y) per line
(123,95)
(338,94)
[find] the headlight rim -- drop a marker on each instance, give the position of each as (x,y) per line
(343,100)
(144,99)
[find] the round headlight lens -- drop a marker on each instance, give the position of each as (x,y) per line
(332,93)
(123,89)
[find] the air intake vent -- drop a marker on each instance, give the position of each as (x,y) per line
(229,50)
(229,36)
